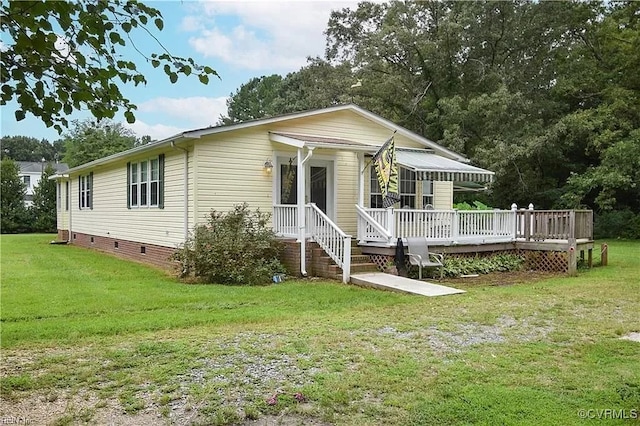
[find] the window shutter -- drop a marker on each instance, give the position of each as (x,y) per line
(161,181)
(129,185)
(79,193)
(91,194)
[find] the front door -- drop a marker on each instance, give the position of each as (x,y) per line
(320,185)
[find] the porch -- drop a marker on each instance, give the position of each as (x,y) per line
(566,233)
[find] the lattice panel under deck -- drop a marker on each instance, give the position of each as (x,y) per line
(551,261)
(382,261)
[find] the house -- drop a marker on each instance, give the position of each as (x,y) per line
(310,169)
(31,172)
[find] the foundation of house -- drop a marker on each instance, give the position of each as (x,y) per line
(141,252)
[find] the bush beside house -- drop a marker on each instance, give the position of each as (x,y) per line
(237,247)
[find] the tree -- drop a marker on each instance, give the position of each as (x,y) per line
(12,191)
(43,209)
(252,100)
(61,56)
(316,85)
(25,148)
(89,140)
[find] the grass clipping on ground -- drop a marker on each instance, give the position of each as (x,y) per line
(87,338)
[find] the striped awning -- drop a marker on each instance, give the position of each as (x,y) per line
(430,166)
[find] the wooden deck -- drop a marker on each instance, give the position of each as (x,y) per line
(452,232)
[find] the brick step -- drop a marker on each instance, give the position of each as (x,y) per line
(355,259)
(360,258)
(319,252)
(357,268)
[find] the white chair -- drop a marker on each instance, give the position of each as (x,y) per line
(419,255)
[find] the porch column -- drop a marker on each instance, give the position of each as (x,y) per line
(302,214)
(361,179)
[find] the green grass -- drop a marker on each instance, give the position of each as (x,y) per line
(101,333)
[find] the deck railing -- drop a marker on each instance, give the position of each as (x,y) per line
(285,220)
(541,225)
(381,225)
(331,238)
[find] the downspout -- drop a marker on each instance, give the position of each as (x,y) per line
(302,234)
(185,180)
(68,197)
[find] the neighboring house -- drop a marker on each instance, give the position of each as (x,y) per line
(142,203)
(31,172)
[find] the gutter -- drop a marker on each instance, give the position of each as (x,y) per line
(185,179)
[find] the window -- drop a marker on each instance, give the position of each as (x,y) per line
(26,180)
(407,187)
(288,183)
(427,193)
(376,192)
(85,191)
(145,183)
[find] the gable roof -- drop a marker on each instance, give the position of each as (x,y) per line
(206,131)
(33,167)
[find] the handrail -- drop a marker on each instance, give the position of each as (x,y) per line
(369,220)
(326,233)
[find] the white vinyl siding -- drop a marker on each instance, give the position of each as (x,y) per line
(111,217)
(442,195)
(230,171)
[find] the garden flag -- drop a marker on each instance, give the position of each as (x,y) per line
(387,170)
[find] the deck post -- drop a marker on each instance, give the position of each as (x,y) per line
(346,262)
(391,223)
(527,225)
(604,254)
(572,258)
(455,232)
(572,224)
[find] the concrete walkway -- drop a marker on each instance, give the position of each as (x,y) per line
(384,281)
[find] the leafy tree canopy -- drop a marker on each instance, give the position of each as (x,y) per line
(25,148)
(13,214)
(63,56)
(316,85)
(89,140)
(43,209)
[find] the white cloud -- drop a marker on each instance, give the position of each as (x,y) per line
(264,34)
(156,131)
(191,113)
(196,111)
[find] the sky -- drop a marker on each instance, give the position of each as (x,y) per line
(239,39)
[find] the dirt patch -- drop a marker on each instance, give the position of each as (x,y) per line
(500,278)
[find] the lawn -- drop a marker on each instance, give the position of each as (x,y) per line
(90,339)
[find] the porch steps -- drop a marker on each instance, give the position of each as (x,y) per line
(390,282)
(324,266)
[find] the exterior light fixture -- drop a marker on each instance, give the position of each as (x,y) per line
(268,166)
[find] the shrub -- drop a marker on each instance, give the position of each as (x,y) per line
(236,247)
(456,266)
(477,205)
(617,224)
